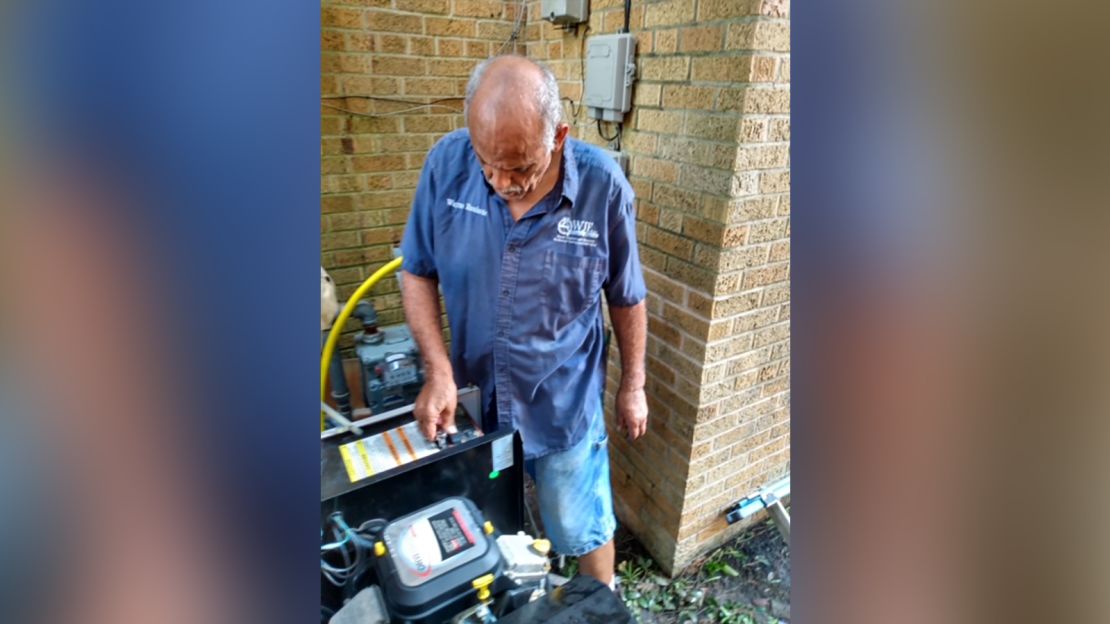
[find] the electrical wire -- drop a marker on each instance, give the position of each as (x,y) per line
(520,11)
(391,113)
(606,138)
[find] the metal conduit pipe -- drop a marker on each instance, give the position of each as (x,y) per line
(769,498)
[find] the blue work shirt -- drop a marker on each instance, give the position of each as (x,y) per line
(524,298)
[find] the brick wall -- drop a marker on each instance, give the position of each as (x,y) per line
(708,139)
(412,50)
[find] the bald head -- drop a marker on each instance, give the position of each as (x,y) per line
(513,96)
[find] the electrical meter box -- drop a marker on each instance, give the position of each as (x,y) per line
(432,557)
(565,12)
(610,71)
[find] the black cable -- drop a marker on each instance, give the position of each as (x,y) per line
(609,139)
(627,12)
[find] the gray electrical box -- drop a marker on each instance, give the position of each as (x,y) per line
(610,70)
(565,12)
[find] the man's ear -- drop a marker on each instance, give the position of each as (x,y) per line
(561,132)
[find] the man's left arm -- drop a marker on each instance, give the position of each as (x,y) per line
(625,293)
(630,327)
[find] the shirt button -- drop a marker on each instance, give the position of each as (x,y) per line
(512,249)
(505,292)
(501,333)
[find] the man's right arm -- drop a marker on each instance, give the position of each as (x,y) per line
(435,406)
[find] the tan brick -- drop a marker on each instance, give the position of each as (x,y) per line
(701,39)
(391,162)
(684,96)
(779,130)
(711,126)
(672,69)
(332,40)
(478,49)
(373,125)
(763,69)
(659,121)
(735,236)
(707,180)
(784,207)
(338,240)
(443,26)
(762,157)
(678,148)
(669,13)
(767,275)
(702,230)
(665,41)
(334,17)
(691,274)
(775,8)
(667,242)
(751,209)
(422,46)
(775,182)
(771,334)
(779,251)
(427,123)
(391,22)
(392,44)
(454,68)
(667,196)
(729,69)
(329,85)
(496,31)
(774,36)
(753,130)
(784,70)
(399,66)
(646,94)
(725,9)
(360,42)
(743,258)
(656,169)
(336,203)
(422,6)
(430,86)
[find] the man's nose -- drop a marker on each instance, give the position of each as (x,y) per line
(500,180)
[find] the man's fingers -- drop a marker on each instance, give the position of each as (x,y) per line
(447,419)
(427,428)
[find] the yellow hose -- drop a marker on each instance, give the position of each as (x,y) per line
(341,320)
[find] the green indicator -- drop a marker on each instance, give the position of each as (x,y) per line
(495,474)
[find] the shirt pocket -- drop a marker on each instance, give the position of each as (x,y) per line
(574,284)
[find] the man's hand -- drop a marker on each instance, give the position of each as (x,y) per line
(435,406)
(632,412)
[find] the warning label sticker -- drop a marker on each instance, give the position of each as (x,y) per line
(384,451)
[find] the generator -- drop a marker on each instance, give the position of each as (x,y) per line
(389,361)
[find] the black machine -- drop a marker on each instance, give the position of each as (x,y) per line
(416,532)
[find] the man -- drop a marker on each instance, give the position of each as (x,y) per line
(524,228)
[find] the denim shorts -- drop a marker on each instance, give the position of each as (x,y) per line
(575,496)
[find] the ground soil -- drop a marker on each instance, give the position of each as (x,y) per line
(745,581)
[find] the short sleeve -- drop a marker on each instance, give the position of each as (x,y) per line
(625,286)
(418,242)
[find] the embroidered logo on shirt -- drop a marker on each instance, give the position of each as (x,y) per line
(576,232)
(457,205)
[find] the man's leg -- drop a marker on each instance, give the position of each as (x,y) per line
(599,563)
(576,503)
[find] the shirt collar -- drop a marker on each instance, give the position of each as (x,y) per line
(570,171)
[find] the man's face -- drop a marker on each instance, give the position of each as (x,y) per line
(514,173)
(514,160)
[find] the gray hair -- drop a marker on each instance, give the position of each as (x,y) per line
(546,98)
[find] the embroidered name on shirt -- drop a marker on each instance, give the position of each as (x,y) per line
(457,205)
(576,232)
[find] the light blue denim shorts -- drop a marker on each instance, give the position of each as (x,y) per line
(575,496)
